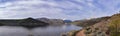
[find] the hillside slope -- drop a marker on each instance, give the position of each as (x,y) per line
(86,22)
(110,27)
(52,21)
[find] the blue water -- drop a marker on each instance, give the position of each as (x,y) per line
(39,31)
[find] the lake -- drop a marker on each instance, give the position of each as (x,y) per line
(39,31)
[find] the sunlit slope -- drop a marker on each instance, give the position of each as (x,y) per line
(110,27)
(107,27)
(114,25)
(89,22)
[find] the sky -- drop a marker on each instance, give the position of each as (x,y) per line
(58,9)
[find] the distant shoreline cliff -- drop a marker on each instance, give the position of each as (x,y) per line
(28,22)
(31,23)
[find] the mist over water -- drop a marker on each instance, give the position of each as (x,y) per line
(39,31)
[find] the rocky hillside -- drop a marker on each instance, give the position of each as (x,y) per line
(27,22)
(109,27)
(31,23)
(89,22)
(114,25)
(52,21)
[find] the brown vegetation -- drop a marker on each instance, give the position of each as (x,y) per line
(85,23)
(109,27)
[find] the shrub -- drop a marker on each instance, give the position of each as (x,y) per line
(114,26)
(1,24)
(88,30)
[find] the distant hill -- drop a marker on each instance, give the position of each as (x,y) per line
(67,21)
(31,23)
(28,22)
(52,21)
(44,20)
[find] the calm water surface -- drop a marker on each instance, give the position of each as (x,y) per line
(39,31)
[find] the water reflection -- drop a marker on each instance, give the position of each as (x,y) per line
(13,31)
(40,31)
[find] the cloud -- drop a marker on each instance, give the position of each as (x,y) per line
(30,8)
(62,9)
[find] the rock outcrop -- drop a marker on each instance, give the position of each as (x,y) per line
(44,20)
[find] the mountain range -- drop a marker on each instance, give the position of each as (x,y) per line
(31,22)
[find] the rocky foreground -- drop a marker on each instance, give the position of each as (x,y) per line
(105,27)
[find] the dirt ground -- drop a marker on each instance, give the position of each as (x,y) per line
(80,33)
